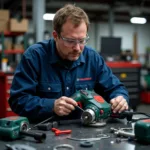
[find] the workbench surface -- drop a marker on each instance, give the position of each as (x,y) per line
(79,131)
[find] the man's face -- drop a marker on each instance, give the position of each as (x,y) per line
(71,41)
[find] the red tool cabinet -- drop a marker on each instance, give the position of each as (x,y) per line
(5,84)
(129,74)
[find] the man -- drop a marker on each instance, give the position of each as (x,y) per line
(51,71)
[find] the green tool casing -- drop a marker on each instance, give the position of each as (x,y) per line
(91,100)
(142,130)
(10,127)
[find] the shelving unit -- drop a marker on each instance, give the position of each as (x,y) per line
(12,53)
(7,77)
(5,84)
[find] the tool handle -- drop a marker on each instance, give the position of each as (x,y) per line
(59,132)
(62,132)
(125,114)
(40,137)
(45,126)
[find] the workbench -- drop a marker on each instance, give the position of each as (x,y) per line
(79,131)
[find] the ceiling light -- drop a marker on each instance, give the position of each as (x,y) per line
(48,16)
(138,20)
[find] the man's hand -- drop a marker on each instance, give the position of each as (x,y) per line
(64,106)
(119,104)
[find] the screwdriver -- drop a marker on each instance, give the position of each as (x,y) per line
(79,108)
(50,118)
(48,126)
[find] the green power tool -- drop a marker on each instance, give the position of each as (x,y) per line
(17,127)
(95,107)
(142,130)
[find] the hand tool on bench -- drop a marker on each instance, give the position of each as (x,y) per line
(141,131)
(59,132)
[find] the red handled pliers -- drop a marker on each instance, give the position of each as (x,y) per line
(59,132)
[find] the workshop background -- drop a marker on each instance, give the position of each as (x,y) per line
(125,45)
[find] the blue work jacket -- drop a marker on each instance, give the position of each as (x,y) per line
(42,77)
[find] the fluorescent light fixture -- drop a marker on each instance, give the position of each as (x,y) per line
(48,16)
(138,20)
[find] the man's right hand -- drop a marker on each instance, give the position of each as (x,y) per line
(64,106)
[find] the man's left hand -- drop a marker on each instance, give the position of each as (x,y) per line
(119,104)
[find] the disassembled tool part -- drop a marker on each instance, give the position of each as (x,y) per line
(86,144)
(125,134)
(126,129)
(19,147)
(121,132)
(45,126)
(119,140)
(66,146)
(97,124)
(89,139)
(48,119)
(88,116)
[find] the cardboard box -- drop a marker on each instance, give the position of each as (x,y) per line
(18,47)
(18,26)
(4,25)
(4,14)
(8,44)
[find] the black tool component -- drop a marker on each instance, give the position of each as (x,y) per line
(125,114)
(54,124)
(19,147)
(86,144)
(40,137)
(129,114)
(48,119)
(45,126)
(73,121)
(78,107)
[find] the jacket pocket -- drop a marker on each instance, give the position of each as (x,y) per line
(85,85)
(49,90)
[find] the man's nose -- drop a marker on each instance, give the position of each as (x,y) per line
(77,46)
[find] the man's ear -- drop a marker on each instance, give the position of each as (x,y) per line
(55,35)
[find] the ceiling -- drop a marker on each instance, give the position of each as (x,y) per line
(97,10)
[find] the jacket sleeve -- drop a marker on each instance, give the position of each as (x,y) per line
(23,98)
(108,85)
